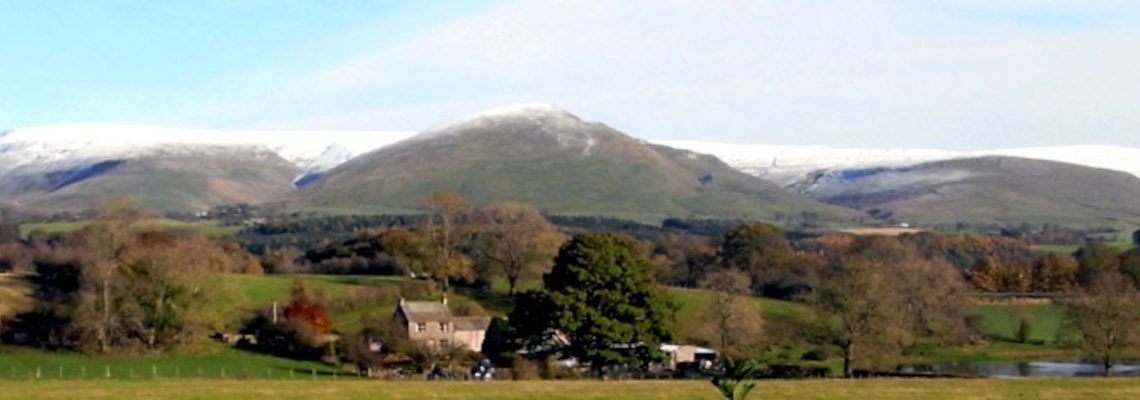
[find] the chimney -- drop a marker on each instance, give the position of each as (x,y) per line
(401,302)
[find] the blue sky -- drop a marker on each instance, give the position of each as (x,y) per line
(966,74)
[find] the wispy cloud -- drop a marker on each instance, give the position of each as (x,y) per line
(850,73)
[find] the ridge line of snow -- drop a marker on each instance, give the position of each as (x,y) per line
(786,164)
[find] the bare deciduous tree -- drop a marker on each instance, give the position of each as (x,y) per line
(516,240)
(732,319)
(447,212)
(1105,318)
(854,311)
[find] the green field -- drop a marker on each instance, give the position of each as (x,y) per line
(693,301)
(879,389)
(1001,321)
(208,360)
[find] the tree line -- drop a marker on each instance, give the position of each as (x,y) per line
(114,286)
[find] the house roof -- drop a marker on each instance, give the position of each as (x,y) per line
(425,311)
(471,323)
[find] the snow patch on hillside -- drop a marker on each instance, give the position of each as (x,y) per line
(787,165)
(64,145)
(565,128)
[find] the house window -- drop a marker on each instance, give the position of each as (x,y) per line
(443,327)
(421,327)
(443,343)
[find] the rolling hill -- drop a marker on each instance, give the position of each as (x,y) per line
(544,156)
(787,165)
(984,190)
(192,178)
(71,167)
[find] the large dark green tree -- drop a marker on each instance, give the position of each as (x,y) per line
(602,300)
(1094,260)
(764,252)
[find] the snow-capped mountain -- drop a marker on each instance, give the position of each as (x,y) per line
(531,152)
(544,156)
(69,145)
(787,165)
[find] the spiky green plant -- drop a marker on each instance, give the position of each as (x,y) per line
(729,380)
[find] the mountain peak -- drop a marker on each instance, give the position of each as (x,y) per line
(538,113)
(524,110)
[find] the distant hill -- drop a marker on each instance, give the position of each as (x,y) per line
(984,190)
(192,178)
(75,166)
(786,165)
(544,156)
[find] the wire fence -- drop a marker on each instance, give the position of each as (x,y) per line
(63,372)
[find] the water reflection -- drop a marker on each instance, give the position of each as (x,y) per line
(1023,368)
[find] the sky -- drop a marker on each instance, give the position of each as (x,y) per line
(961,75)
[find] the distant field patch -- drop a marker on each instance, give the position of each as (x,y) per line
(15,294)
(1002,320)
(882,231)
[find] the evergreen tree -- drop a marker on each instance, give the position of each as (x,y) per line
(602,298)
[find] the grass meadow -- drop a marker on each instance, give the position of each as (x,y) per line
(879,389)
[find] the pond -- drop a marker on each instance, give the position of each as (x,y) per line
(1023,368)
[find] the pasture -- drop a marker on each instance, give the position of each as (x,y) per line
(880,389)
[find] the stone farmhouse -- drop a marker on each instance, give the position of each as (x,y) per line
(431,323)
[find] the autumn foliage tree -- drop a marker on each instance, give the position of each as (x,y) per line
(880,295)
(114,285)
(304,307)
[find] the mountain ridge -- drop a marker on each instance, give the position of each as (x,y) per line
(547,157)
(787,164)
(984,190)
